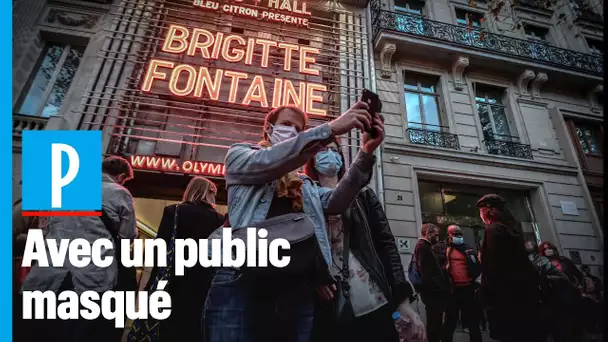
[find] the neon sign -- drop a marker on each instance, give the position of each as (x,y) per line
(296,10)
(187,80)
(173,165)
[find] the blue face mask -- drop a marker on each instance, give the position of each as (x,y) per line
(458,240)
(328,162)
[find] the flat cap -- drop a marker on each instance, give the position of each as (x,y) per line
(491,200)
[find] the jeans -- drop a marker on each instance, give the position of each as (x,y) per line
(240,308)
(463,301)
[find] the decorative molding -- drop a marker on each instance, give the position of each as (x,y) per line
(458,70)
(386,55)
(524,80)
(71,19)
(538,81)
(593,94)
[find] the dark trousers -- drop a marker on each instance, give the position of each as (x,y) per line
(435,309)
(376,326)
(462,302)
(79,330)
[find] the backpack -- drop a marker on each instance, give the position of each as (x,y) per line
(413,273)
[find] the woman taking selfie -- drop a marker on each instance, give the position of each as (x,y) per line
(364,259)
(263,184)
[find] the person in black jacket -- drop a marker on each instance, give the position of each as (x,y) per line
(463,268)
(434,290)
(196,219)
(509,282)
(378,286)
(570,326)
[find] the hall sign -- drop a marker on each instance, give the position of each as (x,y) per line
(173,165)
(280,11)
(194,81)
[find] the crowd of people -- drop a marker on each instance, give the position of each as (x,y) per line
(524,291)
(353,289)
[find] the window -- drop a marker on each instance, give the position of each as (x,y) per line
(595,46)
(492,113)
(588,138)
(536,32)
(48,86)
(467,18)
(410,6)
(421,101)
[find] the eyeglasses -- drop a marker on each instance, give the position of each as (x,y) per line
(331,148)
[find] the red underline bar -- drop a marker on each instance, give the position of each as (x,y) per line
(61,213)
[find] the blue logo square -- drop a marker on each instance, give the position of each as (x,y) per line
(61,170)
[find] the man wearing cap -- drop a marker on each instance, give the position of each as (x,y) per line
(462,268)
(510,283)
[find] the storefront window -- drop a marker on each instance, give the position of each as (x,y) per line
(444,204)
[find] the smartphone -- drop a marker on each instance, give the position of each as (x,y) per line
(375,106)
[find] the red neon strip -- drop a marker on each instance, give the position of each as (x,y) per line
(61,213)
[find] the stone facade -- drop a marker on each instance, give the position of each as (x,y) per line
(537,97)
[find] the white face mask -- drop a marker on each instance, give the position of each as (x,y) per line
(549,252)
(281,133)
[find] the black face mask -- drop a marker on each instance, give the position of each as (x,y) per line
(434,240)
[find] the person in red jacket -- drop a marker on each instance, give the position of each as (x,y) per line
(463,269)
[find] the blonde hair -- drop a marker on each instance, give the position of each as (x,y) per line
(198,189)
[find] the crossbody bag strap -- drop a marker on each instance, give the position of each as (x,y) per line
(346,252)
(164,273)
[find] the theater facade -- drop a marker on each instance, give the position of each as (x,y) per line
(173,83)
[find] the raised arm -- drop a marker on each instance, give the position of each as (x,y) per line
(247,165)
(335,201)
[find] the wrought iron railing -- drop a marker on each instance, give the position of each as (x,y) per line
(475,38)
(431,137)
(506,145)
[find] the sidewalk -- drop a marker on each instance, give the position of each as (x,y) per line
(461,336)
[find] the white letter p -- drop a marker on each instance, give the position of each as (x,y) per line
(57,181)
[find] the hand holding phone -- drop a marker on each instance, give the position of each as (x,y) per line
(375,107)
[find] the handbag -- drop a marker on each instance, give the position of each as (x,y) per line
(148,330)
(306,259)
(127,276)
(343,312)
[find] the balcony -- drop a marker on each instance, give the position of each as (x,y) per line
(432,137)
(504,145)
(485,41)
(25,122)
